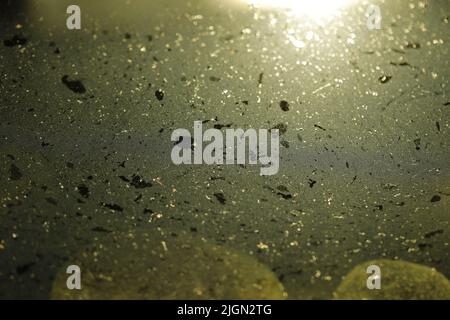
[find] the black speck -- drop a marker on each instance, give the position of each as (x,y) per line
(284,105)
(319,127)
(74,85)
(281,127)
(123,178)
(214,79)
(14,172)
(159,94)
(284,192)
(285,144)
(260,78)
(24,268)
(112,206)
(312,183)
(220,126)
(15,41)
(51,201)
(412,45)
(435,198)
(220,197)
(433,233)
(83,190)
(417,143)
(139,183)
(100,229)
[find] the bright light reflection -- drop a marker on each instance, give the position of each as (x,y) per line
(315,9)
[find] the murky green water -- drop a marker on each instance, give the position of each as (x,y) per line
(87,116)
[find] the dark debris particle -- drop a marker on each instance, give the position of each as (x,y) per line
(220,197)
(24,268)
(159,94)
(220,126)
(123,178)
(284,192)
(83,190)
(15,41)
(319,127)
(214,79)
(311,182)
(101,229)
(433,233)
(401,64)
(284,105)
(70,165)
(423,246)
(51,201)
(260,79)
(14,172)
(139,183)
(285,144)
(412,45)
(417,143)
(112,206)
(435,198)
(384,79)
(127,36)
(74,85)
(438,126)
(281,127)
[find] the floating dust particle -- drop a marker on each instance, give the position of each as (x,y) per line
(262,246)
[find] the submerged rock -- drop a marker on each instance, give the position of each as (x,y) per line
(400,280)
(134,266)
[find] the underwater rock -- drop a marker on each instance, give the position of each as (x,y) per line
(400,280)
(136,266)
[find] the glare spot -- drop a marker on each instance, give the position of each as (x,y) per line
(315,9)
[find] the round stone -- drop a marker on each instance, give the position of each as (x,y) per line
(400,280)
(137,266)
